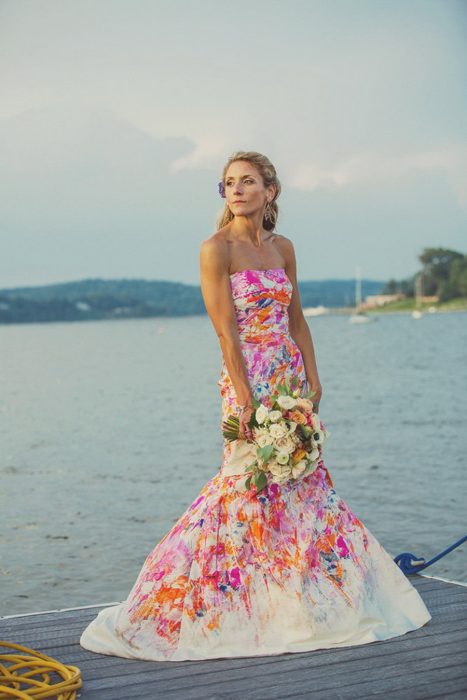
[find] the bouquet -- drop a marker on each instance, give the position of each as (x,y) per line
(288,437)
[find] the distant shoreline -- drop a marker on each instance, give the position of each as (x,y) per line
(408,307)
(382,310)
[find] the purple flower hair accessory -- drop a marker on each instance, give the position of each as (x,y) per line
(221,189)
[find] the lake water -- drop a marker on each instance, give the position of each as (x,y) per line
(97,462)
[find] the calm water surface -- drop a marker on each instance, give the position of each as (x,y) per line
(110,429)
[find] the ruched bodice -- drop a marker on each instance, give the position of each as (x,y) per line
(261,298)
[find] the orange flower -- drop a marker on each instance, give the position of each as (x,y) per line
(298,417)
(298,454)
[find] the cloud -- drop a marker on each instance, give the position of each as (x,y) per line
(368,168)
(117,125)
(207,153)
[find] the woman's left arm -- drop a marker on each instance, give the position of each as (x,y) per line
(298,327)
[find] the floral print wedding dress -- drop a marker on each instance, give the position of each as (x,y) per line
(288,569)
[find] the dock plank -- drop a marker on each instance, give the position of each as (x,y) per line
(430,662)
(281,676)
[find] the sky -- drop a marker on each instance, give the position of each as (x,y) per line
(117,116)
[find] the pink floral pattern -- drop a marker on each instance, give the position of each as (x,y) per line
(289,569)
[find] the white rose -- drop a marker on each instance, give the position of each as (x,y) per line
(280,473)
(286,402)
(298,468)
(275,416)
(292,426)
(264,439)
(312,467)
(262,412)
(286,444)
(260,431)
(277,469)
(282,479)
(277,430)
(282,457)
(314,454)
(316,421)
(279,480)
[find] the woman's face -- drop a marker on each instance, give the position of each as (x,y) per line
(244,189)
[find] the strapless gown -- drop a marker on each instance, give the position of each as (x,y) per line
(289,569)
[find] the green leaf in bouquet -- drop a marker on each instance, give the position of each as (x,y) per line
(281,389)
(305,430)
(260,480)
(265,452)
(253,423)
(248,482)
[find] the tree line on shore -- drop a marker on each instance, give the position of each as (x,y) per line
(444,274)
(99,299)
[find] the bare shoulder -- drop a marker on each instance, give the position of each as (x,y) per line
(216,241)
(214,252)
(283,240)
(286,247)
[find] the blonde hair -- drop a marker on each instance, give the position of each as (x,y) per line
(269,177)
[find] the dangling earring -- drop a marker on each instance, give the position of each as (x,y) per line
(267,212)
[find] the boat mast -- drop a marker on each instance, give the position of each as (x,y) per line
(358,289)
(418,290)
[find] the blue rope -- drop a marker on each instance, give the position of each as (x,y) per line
(406,559)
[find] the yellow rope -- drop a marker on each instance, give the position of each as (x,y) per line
(22,671)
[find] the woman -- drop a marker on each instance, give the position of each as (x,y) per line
(243,572)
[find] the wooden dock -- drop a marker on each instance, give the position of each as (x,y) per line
(430,662)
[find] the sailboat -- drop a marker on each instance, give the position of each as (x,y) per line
(416,313)
(358,316)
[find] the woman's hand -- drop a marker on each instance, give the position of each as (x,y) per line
(245,413)
(316,398)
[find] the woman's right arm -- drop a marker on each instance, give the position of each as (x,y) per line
(217,296)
